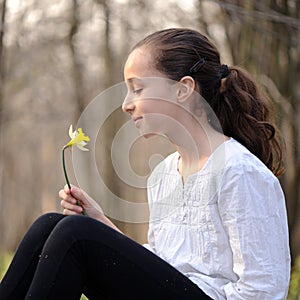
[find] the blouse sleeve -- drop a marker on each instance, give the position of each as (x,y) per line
(252,209)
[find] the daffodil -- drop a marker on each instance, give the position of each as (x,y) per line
(79,139)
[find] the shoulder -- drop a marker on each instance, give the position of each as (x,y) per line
(234,169)
(238,159)
(232,159)
(246,177)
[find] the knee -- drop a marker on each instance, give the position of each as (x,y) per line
(48,218)
(73,226)
(42,227)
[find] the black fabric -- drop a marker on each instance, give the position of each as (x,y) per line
(62,257)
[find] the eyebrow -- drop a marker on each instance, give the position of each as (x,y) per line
(132,79)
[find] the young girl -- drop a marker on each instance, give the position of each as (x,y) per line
(218,227)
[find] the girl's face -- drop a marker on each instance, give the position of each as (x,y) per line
(151,98)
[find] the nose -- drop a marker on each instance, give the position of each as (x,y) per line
(128,105)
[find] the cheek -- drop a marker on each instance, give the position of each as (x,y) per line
(158,106)
(158,97)
(146,106)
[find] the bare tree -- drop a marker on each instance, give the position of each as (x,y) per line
(2,31)
(76,71)
(2,74)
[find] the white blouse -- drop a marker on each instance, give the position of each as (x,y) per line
(225,228)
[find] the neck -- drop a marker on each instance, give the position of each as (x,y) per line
(196,147)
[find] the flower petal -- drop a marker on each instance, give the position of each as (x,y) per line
(82,136)
(81,147)
(71,131)
(82,143)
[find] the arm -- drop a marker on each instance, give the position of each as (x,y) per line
(89,205)
(253,213)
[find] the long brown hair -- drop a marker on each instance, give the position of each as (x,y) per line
(242,110)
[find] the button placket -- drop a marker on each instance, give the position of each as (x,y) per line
(185,192)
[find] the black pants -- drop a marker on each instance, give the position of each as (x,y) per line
(62,257)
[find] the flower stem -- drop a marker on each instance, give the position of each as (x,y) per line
(64,167)
(66,175)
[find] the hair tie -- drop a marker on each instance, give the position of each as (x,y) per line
(197,66)
(225,71)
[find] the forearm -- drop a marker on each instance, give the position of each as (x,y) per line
(102,218)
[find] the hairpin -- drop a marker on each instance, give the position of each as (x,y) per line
(197,66)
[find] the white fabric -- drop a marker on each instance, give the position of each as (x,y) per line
(225,228)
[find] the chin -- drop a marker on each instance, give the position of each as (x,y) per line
(149,135)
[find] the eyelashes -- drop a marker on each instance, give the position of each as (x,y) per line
(137,91)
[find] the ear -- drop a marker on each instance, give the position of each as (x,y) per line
(185,89)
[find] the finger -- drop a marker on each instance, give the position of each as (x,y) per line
(71,207)
(62,194)
(68,212)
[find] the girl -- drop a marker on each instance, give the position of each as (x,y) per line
(218,227)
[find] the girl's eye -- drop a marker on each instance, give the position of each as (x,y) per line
(137,91)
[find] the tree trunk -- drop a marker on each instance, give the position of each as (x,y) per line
(2,77)
(75,62)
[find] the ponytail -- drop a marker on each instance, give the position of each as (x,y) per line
(244,114)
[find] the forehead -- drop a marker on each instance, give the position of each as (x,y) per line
(140,64)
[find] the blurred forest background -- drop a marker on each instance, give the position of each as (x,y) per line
(57,55)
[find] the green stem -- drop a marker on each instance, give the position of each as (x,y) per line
(66,175)
(64,167)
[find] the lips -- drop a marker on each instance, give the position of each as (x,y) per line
(137,120)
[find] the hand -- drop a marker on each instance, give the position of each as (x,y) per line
(71,199)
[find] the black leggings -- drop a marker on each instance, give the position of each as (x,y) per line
(62,257)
